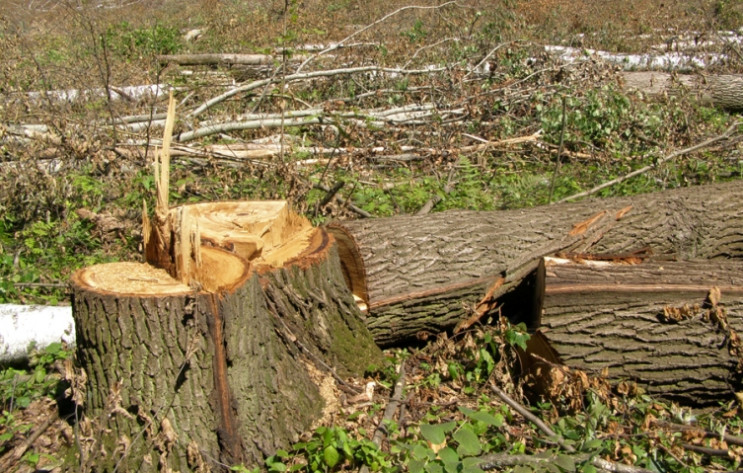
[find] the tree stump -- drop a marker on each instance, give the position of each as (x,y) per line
(219,358)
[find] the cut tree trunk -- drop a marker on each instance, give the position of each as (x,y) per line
(719,90)
(221,360)
(416,275)
(652,323)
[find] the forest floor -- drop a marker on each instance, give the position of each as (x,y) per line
(358,110)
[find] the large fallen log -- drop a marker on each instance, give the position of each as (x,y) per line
(417,275)
(719,90)
(652,323)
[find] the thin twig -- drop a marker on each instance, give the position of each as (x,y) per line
(731,439)
(729,132)
(485,59)
(302,76)
(597,462)
(346,202)
(531,417)
(389,411)
(14,455)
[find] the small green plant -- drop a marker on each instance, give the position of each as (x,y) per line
(332,449)
(453,447)
(417,33)
(19,387)
(516,335)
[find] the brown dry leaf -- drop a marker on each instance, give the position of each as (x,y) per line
(648,422)
(714,296)
(739,397)
(436,447)
(627,454)
(693,436)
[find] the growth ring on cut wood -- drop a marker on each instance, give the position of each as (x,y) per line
(266,233)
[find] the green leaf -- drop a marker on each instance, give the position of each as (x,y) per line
(434,468)
(523,469)
(330,456)
(471,465)
(277,467)
(436,433)
(484,417)
(468,442)
(567,463)
(593,444)
(454,370)
(423,453)
(448,455)
(588,468)
(416,466)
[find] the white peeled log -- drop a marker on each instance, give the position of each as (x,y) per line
(23,327)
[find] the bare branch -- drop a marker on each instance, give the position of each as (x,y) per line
(372,25)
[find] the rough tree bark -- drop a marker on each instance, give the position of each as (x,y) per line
(420,274)
(649,323)
(720,90)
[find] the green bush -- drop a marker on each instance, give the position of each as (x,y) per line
(129,42)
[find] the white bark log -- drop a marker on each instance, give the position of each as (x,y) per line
(26,326)
(720,90)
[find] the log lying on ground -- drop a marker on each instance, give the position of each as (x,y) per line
(719,90)
(220,357)
(216,59)
(421,274)
(651,323)
(27,327)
